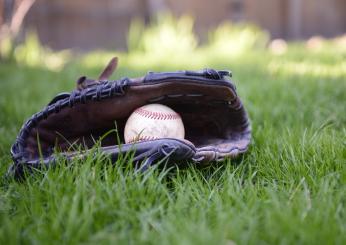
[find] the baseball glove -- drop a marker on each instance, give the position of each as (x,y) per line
(216,123)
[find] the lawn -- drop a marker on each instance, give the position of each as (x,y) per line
(289,188)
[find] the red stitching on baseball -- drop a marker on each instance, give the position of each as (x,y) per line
(157,115)
(142,138)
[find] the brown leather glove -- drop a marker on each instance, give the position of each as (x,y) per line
(216,123)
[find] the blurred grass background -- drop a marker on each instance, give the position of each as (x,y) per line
(289,188)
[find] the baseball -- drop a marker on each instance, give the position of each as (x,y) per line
(153,121)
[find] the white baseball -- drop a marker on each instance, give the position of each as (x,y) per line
(153,121)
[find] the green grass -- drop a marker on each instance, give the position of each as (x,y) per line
(290,188)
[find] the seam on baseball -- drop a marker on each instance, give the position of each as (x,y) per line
(142,138)
(157,115)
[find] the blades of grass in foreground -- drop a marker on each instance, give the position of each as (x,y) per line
(290,188)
